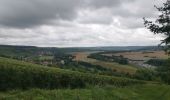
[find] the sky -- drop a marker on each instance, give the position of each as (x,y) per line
(77,23)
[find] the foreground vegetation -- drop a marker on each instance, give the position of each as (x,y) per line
(138,92)
(66,79)
(16,74)
(27,81)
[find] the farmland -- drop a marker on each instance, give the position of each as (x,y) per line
(139,58)
(46,57)
(141,55)
(82,56)
(78,77)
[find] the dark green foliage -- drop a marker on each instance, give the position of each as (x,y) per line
(89,65)
(66,58)
(164,72)
(160,73)
(15,74)
(156,62)
(98,56)
(97,69)
(146,74)
(86,67)
(118,59)
(17,51)
(162,24)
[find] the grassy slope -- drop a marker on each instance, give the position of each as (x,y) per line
(116,66)
(46,58)
(17,74)
(136,92)
(142,92)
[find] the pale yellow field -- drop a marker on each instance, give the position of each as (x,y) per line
(82,56)
(142,55)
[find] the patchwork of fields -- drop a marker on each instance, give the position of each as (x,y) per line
(141,55)
(82,56)
(29,81)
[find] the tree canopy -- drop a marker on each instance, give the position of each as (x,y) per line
(162,24)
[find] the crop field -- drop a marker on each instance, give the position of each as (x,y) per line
(141,55)
(46,57)
(118,67)
(82,56)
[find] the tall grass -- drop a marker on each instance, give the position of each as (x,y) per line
(16,74)
(138,92)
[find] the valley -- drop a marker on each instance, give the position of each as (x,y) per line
(47,73)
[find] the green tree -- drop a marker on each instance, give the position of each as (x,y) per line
(162,24)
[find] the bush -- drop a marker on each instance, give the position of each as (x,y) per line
(156,62)
(164,71)
(146,74)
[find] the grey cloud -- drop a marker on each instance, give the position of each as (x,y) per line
(75,22)
(29,13)
(19,34)
(98,16)
(106,3)
(128,11)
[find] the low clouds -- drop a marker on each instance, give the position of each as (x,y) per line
(30,13)
(76,22)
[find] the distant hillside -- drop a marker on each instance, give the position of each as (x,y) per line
(11,51)
(122,48)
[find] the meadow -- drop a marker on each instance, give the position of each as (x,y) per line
(137,92)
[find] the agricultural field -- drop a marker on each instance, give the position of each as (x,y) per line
(46,58)
(93,80)
(140,58)
(83,56)
(141,55)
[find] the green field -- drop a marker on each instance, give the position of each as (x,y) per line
(138,92)
(46,57)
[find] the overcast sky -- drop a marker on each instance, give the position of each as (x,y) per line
(73,23)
